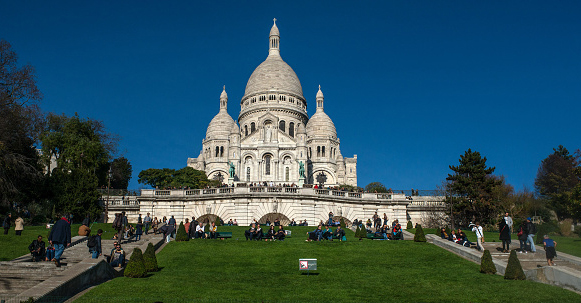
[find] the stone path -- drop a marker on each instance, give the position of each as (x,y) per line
(21,278)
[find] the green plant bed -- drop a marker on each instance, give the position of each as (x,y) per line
(424,273)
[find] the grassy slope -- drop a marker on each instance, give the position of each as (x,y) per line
(14,246)
(355,271)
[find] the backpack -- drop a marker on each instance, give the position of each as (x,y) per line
(92,242)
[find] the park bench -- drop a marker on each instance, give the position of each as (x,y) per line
(221,235)
(373,236)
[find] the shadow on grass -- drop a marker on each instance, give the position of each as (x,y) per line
(309,274)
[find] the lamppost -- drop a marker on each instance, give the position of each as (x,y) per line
(109,176)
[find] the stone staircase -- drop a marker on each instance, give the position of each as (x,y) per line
(21,278)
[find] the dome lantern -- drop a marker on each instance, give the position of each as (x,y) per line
(224,100)
(274,40)
(320,98)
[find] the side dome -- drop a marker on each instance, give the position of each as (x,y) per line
(220,126)
(320,125)
(274,74)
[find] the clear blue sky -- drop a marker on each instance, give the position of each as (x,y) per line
(410,85)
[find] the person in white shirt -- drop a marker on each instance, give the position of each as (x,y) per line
(508,220)
(479,235)
(200,231)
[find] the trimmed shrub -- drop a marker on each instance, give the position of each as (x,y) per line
(419,236)
(409,226)
(218,221)
(343,226)
(358,232)
(181,235)
(513,268)
(486,264)
(149,258)
(136,266)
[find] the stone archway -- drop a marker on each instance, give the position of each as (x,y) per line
(284,220)
(347,221)
(207,218)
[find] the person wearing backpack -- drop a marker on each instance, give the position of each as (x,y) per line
(94,244)
(531,230)
(522,237)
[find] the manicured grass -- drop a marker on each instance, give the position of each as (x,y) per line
(569,245)
(15,246)
(352,271)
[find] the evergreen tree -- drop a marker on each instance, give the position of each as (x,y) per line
(409,226)
(471,185)
(358,232)
(136,266)
(218,221)
(513,268)
(419,236)
(149,258)
(486,264)
(342,223)
(181,235)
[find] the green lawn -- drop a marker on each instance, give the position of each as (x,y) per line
(354,271)
(15,246)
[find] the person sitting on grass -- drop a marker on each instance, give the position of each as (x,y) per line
(213,230)
(250,232)
(36,248)
(550,251)
(117,258)
(281,233)
(339,233)
(316,234)
(452,237)
(271,233)
(257,233)
(328,233)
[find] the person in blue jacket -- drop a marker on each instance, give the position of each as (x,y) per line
(60,237)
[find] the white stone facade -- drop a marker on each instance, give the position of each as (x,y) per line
(274,134)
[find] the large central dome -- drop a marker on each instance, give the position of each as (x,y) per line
(274,74)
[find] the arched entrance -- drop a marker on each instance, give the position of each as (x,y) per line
(208,218)
(284,220)
(347,221)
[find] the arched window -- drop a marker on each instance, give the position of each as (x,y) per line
(323,151)
(281,126)
(291,129)
(287,174)
(267,165)
(217,151)
(252,127)
(318,151)
(245,130)
(222,151)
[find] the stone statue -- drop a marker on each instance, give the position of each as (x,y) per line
(268,134)
(301,169)
(232,170)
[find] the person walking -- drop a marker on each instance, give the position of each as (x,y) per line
(94,244)
(531,230)
(522,237)
(60,237)
(146,223)
(477,229)
(6,223)
(19,226)
(504,236)
(550,249)
(124,225)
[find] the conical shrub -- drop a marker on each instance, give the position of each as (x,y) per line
(343,223)
(182,236)
(136,267)
(513,268)
(486,264)
(409,226)
(149,258)
(419,236)
(218,221)
(357,232)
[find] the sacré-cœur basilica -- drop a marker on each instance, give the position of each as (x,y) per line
(276,144)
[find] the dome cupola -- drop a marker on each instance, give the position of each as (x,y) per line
(320,125)
(222,123)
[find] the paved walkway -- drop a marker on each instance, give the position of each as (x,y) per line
(21,278)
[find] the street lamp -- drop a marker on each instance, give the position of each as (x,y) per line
(109,176)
